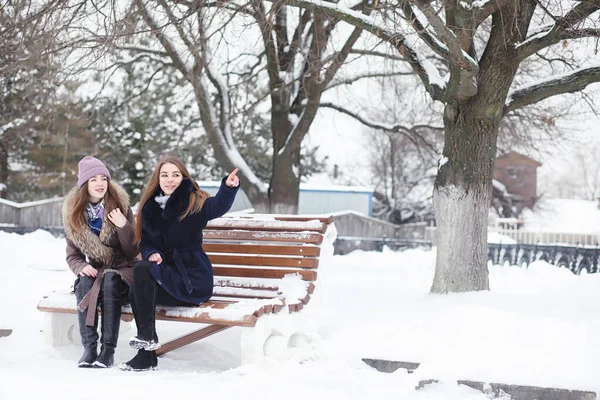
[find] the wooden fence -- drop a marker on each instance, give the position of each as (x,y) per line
(355,230)
(43,214)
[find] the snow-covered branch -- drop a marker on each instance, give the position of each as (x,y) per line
(562,29)
(340,58)
(568,83)
(164,41)
(422,31)
(265,26)
(455,52)
(485,8)
(429,74)
(177,25)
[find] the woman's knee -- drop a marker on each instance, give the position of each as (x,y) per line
(141,270)
(112,280)
(83,284)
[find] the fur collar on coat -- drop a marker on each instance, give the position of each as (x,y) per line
(95,247)
(153,216)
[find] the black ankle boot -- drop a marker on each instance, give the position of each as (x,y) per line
(106,359)
(143,361)
(89,356)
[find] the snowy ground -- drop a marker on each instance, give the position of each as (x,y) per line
(538,326)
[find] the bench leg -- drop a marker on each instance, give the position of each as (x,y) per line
(62,328)
(278,337)
(190,338)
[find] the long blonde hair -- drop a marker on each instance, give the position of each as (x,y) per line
(78,218)
(197,197)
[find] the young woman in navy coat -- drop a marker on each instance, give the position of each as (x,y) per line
(175,269)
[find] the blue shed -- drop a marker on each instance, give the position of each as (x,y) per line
(314,199)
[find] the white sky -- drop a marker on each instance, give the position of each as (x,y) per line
(532,324)
(344,141)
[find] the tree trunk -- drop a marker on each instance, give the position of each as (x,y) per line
(3,171)
(462,197)
(463,188)
(284,190)
(259,201)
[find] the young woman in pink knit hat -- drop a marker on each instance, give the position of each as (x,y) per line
(101,251)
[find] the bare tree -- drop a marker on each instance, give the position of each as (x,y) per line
(579,177)
(403,172)
(33,92)
(478,89)
(292,50)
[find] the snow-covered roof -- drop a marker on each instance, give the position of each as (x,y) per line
(306,187)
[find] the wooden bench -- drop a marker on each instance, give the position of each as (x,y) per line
(265,272)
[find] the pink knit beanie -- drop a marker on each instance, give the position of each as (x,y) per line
(89,167)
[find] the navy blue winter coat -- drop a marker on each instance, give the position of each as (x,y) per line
(185,273)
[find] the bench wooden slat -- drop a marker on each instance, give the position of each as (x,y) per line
(278,273)
(287,237)
(202,314)
(225,291)
(206,318)
(298,262)
(249,283)
(327,219)
(324,219)
(268,226)
(296,307)
(292,250)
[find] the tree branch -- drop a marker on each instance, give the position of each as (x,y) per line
(455,53)
(377,54)
(296,40)
(349,81)
(429,74)
(177,25)
(342,55)
(170,50)
(489,8)
(268,42)
(143,50)
(562,29)
(571,83)
(409,132)
(422,31)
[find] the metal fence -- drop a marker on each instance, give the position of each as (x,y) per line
(578,259)
(538,237)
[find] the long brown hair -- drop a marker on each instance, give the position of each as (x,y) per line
(197,197)
(78,217)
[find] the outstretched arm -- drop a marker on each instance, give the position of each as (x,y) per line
(216,206)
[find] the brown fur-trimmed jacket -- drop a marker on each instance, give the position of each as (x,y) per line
(114,249)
